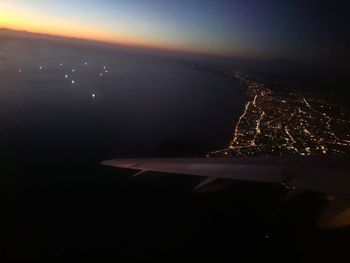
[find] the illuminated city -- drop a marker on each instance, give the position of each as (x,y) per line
(285,122)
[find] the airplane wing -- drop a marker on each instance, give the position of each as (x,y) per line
(326,175)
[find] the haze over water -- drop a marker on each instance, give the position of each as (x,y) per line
(64,98)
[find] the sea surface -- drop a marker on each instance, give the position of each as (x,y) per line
(66,98)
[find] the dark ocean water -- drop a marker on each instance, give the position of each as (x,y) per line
(58,203)
(140,105)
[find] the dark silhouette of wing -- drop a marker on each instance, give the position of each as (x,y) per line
(326,175)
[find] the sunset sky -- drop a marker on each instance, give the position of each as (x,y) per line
(236,28)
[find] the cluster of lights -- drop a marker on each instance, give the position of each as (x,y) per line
(105,70)
(73,70)
(275,117)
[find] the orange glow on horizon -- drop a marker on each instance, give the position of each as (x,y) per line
(26,21)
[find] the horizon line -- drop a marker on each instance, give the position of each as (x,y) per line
(114,43)
(137,46)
